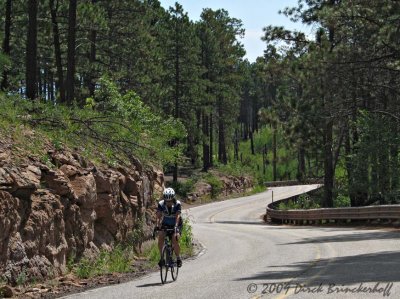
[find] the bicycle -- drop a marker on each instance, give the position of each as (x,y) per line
(167,256)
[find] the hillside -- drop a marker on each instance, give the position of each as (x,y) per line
(66,207)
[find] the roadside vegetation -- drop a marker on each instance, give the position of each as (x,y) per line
(111,129)
(124,258)
(312,200)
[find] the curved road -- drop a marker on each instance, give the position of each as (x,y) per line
(244,258)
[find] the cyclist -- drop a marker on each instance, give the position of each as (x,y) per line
(169,216)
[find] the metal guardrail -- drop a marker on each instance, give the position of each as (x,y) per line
(389,212)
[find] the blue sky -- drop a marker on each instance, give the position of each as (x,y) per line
(255,15)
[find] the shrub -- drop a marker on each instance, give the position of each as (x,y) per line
(184,187)
(341,201)
(186,240)
(215,183)
(304,201)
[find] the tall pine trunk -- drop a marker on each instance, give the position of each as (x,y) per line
(195,139)
(40,82)
(70,83)
(394,163)
(348,151)
(6,42)
(57,51)
(31,51)
(301,171)
(274,154)
(236,146)
(206,145)
(253,152)
(222,157)
(177,96)
(50,88)
(92,59)
(211,158)
(384,164)
(328,164)
(329,171)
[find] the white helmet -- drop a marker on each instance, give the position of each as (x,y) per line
(168,194)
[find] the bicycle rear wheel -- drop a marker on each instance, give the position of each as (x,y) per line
(165,266)
(174,268)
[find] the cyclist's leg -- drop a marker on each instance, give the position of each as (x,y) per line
(175,244)
(161,237)
(177,249)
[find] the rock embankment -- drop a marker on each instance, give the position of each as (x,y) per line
(229,185)
(66,207)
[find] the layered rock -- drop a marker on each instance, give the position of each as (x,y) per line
(48,214)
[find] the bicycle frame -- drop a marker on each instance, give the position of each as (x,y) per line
(168,246)
(167,254)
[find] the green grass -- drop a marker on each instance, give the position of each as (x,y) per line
(152,253)
(119,260)
(256,189)
(22,278)
(122,258)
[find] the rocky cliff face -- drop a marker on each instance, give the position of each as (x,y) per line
(51,213)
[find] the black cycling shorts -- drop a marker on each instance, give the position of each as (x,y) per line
(179,227)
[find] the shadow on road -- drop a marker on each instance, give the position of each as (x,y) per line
(240,222)
(380,235)
(146,285)
(376,267)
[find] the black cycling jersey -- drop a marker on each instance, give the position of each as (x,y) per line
(169,213)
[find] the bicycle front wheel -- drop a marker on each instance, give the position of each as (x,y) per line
(164,267)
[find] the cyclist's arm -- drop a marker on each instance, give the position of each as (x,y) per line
(177,219)
(159,215)
(178,215)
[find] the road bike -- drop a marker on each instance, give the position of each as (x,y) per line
(168,256)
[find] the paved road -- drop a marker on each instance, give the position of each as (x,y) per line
(243,257)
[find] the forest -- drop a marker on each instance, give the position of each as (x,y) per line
(138,81)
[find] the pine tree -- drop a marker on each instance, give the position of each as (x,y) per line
(70,79)
(182,81)
(6,41)
(31,51)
